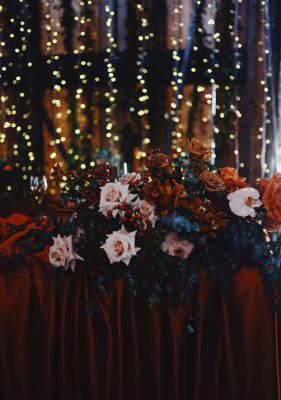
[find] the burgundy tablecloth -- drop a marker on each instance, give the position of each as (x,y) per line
(51,350)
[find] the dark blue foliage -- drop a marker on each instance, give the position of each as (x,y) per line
(180,223)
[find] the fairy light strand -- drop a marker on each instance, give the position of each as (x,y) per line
(269,78)
(143,36)
(178,85)
(52,26)
(3,97)
(237,45)
(20,111)
(175,112)
(82,20)
(111,92)
(265,59)
(212,6)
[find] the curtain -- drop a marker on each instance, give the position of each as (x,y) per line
(50,349)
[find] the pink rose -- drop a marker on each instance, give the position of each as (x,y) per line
(147,210)
(120,246)
(62,254)
(112,194)
(128,179)
(176,247)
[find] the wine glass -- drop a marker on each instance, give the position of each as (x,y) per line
(38,187)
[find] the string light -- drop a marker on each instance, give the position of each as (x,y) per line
(237,46)
(266,84)
(83,19)
(16,112)
(52,28)
(143,36)
(211,95)
(111,92)
(19,109)
(177,78)
(3,97)
(225,113)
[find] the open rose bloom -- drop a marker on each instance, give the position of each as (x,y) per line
(62,254)
(231,179)
(120,246)
(176,247)
(243,202)
(272,197)
(211,181)
(112,194)
(198,150)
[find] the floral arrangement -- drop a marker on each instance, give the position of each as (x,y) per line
(157,228)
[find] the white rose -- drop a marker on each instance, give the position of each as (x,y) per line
(112,194)
(120,246)
(61,253)
(130,178)
(243,202)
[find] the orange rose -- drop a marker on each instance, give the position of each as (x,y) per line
(262,184)
(211,181)
(198,150)
(272,197)
(231,179)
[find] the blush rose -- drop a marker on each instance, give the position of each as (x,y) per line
(120,246)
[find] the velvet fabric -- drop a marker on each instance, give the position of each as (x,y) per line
(50,349)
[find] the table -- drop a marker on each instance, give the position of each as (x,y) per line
(50,349)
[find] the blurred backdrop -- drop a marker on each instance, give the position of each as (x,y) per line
(87,80)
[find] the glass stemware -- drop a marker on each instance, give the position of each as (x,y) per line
(38,188)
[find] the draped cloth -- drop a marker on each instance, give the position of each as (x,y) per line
(50,349)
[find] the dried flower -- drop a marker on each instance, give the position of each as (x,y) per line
(210,220)
(198,150)
(163,196)
(211,181)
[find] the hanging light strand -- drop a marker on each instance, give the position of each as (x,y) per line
(143,36)
(177,74)
(20,110)
(237,45)
(81,66)
(178,84)
(266,84)
(52,29)
(212,97)
(3,97)
(111,92)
